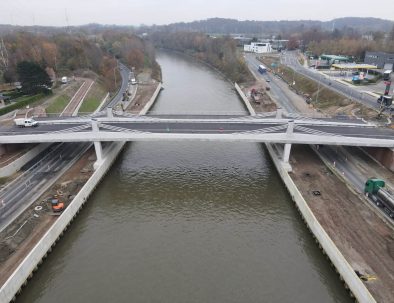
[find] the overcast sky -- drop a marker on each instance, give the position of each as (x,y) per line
(132,12)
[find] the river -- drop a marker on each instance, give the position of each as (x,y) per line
(188,222)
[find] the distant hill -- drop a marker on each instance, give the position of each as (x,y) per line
(232,26)
(223,26)
(89,29)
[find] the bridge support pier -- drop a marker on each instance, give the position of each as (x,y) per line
(99,154)
(287,147)
(97,145)
(110,113)
(279,113)
(286,153)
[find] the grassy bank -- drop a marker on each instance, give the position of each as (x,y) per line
(58,105)
(21,102)
(93,99)
(320,97)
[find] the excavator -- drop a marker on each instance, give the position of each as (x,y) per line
(56,204)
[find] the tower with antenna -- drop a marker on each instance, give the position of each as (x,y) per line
(68,30)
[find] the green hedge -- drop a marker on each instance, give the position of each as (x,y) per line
(21,102)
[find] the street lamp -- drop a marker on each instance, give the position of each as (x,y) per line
(318,89)
(293,77)
(116,67)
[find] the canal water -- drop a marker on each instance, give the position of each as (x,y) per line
(188,222)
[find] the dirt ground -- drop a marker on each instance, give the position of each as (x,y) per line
(19,238)
(264,102)
(364,239)
(144,92)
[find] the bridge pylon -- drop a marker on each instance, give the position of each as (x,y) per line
(97,145)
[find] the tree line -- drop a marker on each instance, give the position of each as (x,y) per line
(346,42)
(66,54)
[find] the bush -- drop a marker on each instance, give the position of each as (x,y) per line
(24,101)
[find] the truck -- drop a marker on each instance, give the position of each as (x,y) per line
(376,190)
(387,75)
(133,81)
(25,122)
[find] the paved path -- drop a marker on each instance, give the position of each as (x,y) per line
(77,99)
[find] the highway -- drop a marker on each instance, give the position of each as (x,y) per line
(44,170)
(339,157)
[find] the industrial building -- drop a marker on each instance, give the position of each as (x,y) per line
(382,60)
(258,47)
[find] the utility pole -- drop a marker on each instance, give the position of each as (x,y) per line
(115,75)
(318,90)
(67,21)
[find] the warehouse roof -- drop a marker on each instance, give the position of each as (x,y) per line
(334,57)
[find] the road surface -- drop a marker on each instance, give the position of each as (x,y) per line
(340,157)
(44,170)
(290,59)
(77,99)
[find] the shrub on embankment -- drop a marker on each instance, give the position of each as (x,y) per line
(20,102)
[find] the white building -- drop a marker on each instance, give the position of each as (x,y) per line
(258,47)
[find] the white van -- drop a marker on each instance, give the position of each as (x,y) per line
(26,122)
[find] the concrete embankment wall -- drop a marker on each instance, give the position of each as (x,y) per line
(30,264)
(152,100)
(343,268)
(17,164)
(384,156)
(39,252)
(244,99)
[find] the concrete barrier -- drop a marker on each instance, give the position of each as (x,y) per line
(25,270)
(245,100)
(17,164)
(346,272)
(152,100)
(344,269)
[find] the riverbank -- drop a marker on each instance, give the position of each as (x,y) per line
(346,229)
(20,258)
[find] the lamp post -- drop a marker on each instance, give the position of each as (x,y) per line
(115,76)
(318,90)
